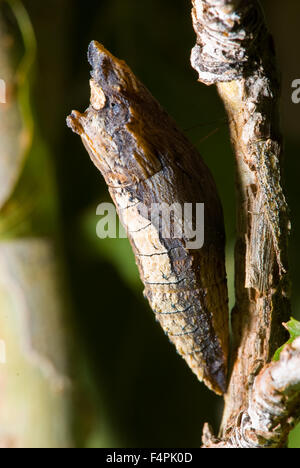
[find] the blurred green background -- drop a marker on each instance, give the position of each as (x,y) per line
(144,394)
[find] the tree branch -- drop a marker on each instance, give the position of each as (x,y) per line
(235,51)
(274,406)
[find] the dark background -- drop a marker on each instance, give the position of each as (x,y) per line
(142,393)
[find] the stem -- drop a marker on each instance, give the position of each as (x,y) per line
(235,50)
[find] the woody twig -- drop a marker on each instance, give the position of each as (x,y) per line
(235,51)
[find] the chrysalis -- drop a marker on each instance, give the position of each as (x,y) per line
(146,161)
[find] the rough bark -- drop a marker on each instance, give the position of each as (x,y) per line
(146,161)
(235,50)
(273,407)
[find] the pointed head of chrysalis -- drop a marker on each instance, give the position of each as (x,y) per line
(113,127)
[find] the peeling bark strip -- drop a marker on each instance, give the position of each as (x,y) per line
(227,36)
(235,50)
(145,160)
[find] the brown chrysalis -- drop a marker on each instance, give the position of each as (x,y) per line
(146,161)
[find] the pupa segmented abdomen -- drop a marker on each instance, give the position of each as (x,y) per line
(146,162)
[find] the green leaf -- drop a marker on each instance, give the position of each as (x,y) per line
(293,327)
